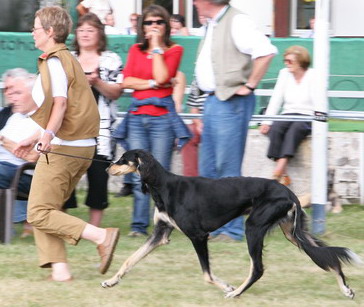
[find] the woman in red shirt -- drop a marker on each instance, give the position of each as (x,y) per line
(152,123)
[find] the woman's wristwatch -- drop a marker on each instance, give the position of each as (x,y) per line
(153,84)
(157,50)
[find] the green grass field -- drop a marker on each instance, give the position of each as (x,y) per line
(171,275)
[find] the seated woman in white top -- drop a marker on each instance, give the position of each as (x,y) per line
(296,93)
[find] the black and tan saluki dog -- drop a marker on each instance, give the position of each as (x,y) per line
(196,206)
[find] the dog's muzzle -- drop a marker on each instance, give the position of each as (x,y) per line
(118,170)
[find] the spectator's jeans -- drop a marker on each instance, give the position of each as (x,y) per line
(7,173)
(225,129)
(153,134)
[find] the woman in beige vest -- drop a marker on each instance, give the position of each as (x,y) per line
(68,113)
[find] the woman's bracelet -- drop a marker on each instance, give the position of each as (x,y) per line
(50,132)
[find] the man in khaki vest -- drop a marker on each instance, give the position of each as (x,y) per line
(233,58)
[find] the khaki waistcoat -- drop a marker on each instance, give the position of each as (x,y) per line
(81,119)
(231,67)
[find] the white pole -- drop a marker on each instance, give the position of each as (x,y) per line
(189,14)
(139,7)
(175,6)
(321,58)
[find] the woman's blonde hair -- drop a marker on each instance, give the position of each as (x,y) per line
(302,55)
(57,18)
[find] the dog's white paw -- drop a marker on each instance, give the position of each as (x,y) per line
(110,283)
(232,294)
(229,288)
(349,292)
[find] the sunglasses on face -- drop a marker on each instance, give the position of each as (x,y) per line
(157,22)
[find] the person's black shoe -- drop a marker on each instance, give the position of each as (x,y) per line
(126,190)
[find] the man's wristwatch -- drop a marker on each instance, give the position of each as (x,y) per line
(249,87)
(157,50)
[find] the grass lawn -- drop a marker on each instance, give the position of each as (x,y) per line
(171,275)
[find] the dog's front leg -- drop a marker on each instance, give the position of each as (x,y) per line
(159,237)
(200,245)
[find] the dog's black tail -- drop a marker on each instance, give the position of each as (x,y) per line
(326,257)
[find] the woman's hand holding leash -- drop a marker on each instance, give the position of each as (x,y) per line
(44,144)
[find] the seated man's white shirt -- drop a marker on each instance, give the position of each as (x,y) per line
(247,39)
(17,128)
(59,89)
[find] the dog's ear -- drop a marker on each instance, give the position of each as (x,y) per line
(134,158)
(139,160)
(131,159)
(143,162)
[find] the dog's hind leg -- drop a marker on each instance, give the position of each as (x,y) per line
(200,245)
(160,236)
(345,289)
(287,228)
(288,224)
(326,257)
(256,228)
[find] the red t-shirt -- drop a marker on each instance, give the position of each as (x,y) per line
(139,65)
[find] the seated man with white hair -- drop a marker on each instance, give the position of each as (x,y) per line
(18,127)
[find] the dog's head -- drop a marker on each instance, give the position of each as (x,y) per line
(135,161)
(130,162)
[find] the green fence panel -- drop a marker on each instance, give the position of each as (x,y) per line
(346,62)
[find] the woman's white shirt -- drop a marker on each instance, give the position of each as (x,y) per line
(290,96)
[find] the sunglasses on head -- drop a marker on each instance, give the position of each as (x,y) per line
(150,22)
